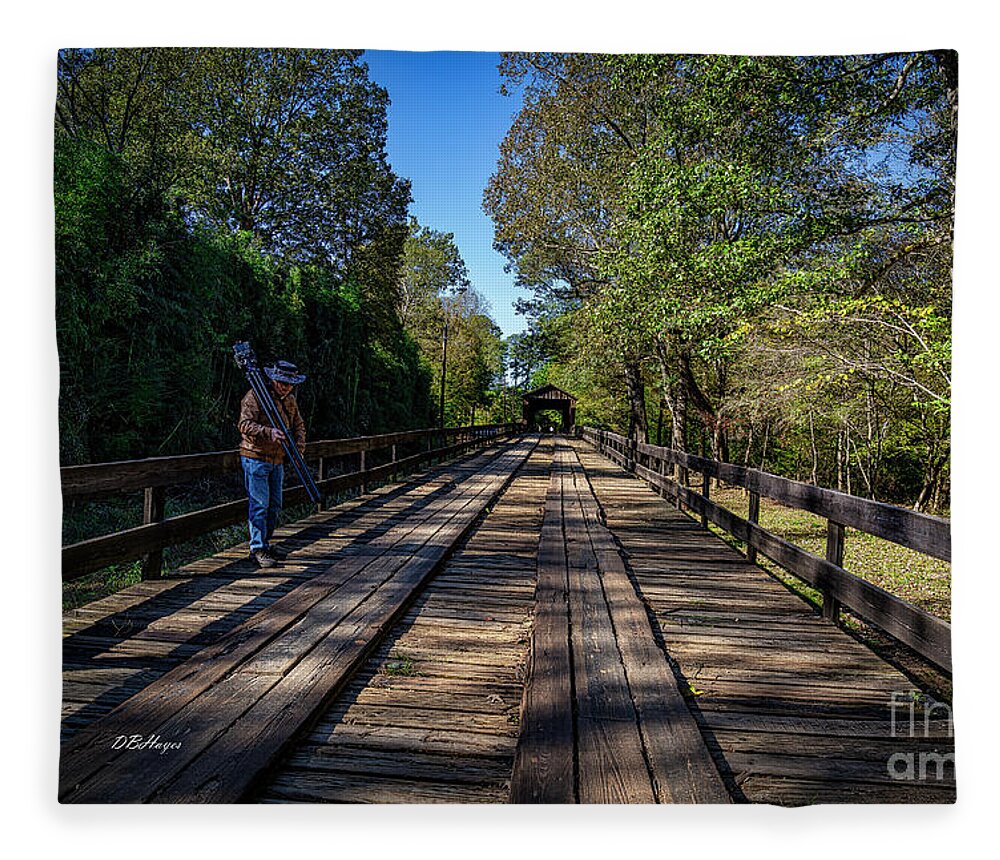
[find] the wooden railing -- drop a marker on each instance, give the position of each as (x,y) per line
(926,634)
(155,474)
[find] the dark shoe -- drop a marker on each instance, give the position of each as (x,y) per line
(261,558)
(276,552)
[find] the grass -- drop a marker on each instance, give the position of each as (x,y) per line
(398,663)
(99,584)
(919,579)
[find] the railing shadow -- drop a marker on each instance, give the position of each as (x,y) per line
(121,626)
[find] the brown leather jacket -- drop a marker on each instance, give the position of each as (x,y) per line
(255,429)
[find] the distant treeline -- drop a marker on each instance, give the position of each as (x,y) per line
(204,196)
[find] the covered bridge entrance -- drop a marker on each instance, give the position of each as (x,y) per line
(545,398)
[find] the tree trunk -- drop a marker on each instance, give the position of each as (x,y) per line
(847,458)
(679,410)
(930,491)
(840,461)
(815,453)
(674,395)
(720,442)
(638,427)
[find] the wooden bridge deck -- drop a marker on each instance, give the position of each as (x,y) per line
(387,660)
(793,709)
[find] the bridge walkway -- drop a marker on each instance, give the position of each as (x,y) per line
(400,655)
(793,708)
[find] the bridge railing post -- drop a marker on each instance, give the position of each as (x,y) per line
(753,517)
(153,508)
(320,470)
(834,555)
(705,484)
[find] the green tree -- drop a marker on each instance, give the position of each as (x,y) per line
(772,236)
(436,292)
(290,145)
(181,227)
(556,194)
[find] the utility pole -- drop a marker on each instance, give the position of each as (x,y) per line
(447,309)
(444,367)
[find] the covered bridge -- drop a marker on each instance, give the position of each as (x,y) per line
(545,398)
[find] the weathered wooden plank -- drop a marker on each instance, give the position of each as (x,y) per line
(938,766)
(878,749)
(306,786)
(788,791)
(782,694)
(404,763)
(434,709)
(87,754)
(777,725)
(475,702)
(682,768)
(388,739)
(927,635)
(234,762)
(611,766)
(543,769)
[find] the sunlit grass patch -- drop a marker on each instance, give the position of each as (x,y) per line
(398,663)
(917,578)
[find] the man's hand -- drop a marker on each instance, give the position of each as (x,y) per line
(277,435)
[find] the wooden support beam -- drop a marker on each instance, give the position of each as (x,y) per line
(753,517)
(834,555)
(705,483)
(319,477)
(153,509)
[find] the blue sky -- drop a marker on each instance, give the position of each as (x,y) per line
(446,122)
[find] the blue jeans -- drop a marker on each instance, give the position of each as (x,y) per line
(263,482)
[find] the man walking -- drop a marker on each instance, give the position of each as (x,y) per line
(263,457)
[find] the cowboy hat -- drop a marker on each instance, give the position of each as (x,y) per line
(285,371)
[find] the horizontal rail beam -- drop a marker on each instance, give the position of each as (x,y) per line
(921,532)
(96,479)
(85,557)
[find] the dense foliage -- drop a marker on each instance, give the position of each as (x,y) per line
(451,324)
(754,250)
(204,196)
